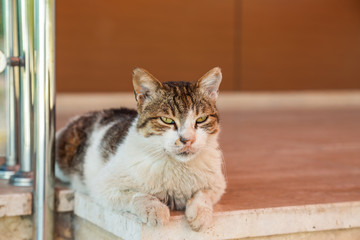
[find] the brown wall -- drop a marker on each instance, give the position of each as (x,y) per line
(100,42)
(260,44)
(299,44)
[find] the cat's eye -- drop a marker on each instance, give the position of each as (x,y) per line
(167,120)
(201,119)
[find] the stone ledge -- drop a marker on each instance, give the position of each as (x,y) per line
(16,204)
(226,225)
(64,199)
(17,201)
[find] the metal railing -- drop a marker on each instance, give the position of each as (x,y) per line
(26,68)
(12,82)
(30,87)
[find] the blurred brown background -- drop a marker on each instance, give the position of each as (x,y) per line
(259,44)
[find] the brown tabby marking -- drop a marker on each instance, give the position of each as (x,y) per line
(176,99)
(114,136)
(72,144)
(73,141)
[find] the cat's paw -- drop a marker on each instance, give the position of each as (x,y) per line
(153,212)
(198,214)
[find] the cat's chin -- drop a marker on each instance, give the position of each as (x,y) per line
(184,156)
(183,159)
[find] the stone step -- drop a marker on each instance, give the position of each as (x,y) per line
(226,224)
(17,201)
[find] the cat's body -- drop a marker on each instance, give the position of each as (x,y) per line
(165,156)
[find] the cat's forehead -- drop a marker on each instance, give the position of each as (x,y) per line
(179,98)
(178,89)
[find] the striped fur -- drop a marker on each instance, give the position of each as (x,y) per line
(176,99)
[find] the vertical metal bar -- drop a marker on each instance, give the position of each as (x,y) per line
(24,176)
(26,77)
(45,119)
(10,85)
(11,78)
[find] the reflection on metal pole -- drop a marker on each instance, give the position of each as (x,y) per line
(24,176)
(45,119)
(11,77)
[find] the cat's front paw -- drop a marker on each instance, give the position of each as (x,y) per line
(152,212)
(198,214)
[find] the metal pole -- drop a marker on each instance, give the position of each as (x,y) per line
(43,223)
(11,77)
(24,176)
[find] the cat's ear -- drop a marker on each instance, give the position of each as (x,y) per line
(210,82)
(145,84)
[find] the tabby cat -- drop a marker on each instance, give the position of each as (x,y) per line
(163,156)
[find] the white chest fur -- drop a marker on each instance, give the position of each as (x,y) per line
(141,165)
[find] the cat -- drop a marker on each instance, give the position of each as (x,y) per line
(163,156)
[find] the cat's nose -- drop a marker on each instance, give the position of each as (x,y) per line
(187,141)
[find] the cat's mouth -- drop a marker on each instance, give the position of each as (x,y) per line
(185,153)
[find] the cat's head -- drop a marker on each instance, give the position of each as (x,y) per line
(179,117)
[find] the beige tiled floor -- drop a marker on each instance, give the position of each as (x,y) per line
(282,158)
